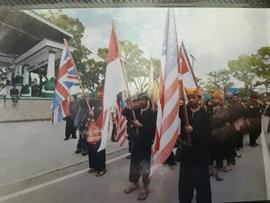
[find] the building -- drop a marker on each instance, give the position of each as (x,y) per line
(29,42)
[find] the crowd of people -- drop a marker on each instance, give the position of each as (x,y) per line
(210,140)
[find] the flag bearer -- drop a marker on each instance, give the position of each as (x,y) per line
(141,155)
(194,155)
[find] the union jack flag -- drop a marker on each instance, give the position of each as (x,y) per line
(67,77)
(121,122)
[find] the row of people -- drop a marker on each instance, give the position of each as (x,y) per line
(211,135)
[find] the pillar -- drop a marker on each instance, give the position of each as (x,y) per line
(51,65)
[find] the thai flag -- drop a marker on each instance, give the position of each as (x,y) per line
(67,78)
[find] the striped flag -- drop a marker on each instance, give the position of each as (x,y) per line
(121,121)
(67,78)
(168,122)
(114,83)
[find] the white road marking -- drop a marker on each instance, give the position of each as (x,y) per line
(31,189)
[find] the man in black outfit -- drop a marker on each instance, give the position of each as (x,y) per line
(70,128)
(80,123)
(141,153)
(254,117)
(131,130)
(194,155)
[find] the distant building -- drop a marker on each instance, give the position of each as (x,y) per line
(28,42)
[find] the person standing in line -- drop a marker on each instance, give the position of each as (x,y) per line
(97,160)
(70,128)
(238,112)
(254,117)
(194,153)
(80,123)
(131,130)
(141,154)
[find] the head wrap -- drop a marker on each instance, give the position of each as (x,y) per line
(194,91)
(219,94)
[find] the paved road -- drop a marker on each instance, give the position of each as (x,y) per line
(31,148)
(245,182)
(27,149)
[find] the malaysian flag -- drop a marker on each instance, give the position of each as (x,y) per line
(168,122)
(121,121)
(67,78)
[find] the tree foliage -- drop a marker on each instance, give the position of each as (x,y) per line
(137,65)
(218,80)
(242,69)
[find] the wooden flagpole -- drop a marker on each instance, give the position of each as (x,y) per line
(182,85)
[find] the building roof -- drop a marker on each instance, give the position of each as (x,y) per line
(21,30)
(37,4)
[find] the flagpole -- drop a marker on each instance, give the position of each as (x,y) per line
(182,86)
(80,81)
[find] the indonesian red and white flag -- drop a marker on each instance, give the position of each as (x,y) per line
(186,73)
(168,122)
(114,83)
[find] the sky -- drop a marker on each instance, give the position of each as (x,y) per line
(212,35)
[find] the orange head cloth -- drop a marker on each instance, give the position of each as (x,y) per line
(218,94)
(193,91)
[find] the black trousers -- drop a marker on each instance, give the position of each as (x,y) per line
(140,163)
(238,140)
(254,133)
(82,144)
(113,133)
(216,153)
(97,160)
(70,129)
(229,150)
(194,176)
(171,160)
(131,141)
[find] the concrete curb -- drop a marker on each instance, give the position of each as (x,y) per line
(25,120)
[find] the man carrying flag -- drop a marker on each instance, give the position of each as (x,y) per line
(141,151)
(194,155)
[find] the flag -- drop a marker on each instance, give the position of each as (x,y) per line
(185,70)
(66,79)
(151,80)
(168,122)
(114,83)
(121,121)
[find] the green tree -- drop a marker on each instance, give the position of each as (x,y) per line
(218,80)
(137,66)
(261,66)
(242,69)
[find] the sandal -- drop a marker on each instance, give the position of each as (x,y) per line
(131,188)
(91,170)
(143,195)
(101,173)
